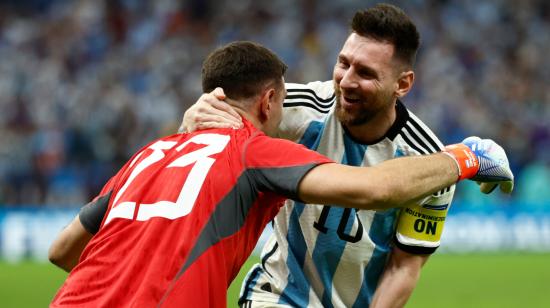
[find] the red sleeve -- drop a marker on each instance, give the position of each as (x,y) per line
(279,165)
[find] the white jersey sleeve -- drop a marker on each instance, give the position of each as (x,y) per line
(419,226)
(303,104)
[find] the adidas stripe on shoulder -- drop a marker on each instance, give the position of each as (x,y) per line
(316,95)
(418,136)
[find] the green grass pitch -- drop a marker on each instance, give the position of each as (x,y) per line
(472,280)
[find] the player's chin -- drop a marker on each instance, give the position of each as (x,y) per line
(346,117)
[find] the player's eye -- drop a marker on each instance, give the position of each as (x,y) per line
(342,64)
(367,74)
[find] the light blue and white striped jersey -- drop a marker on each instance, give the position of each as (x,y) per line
(319,255)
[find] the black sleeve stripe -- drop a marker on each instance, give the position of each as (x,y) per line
(249,284)
(91,215)
(413,145)
(291,97)
(267,255)
(419,139)
(420,148)
(417,135)
(306,104)
(442,192)
(416,250)
(426,129)
(426,135)
(317,98)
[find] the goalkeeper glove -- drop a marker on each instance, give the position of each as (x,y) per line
(484,161)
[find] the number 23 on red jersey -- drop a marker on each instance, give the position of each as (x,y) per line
(189,189)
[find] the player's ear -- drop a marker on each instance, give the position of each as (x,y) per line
(404,83)
(266,103)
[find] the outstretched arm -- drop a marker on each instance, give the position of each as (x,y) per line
(390,184)
(397,182)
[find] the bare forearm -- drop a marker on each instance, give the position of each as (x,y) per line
(399,279)
(390,184)
(66,249)
(394,289)
(406,179)
(68,262)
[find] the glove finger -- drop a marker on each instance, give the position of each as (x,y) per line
(507,187)
(487,188)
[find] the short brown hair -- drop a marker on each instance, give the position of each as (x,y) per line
(386,22)
(242,69)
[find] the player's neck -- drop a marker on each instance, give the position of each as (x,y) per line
(253,119)
(375,129)
(250,118)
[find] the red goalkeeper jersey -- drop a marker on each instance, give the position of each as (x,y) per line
(176,223)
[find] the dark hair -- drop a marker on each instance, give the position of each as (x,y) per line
(386,22)
(242,69)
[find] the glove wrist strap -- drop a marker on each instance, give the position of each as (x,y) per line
(465,159)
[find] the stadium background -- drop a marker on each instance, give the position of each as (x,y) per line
(85,83)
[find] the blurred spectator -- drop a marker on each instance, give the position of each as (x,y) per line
(85,83)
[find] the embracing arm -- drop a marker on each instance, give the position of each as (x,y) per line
(395,182)
(65,251)
(210,111)
(390,184)
(399,279)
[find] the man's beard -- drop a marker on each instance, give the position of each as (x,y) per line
(370,107)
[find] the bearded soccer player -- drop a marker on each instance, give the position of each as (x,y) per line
(320,255)
(176,223)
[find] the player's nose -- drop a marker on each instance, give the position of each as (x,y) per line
(348,80)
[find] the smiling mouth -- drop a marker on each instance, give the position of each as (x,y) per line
(350,100)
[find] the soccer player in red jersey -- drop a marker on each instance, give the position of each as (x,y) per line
(176,223)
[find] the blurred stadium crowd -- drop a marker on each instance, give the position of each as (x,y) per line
(85,83)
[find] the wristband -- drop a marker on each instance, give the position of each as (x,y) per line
(465,159)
